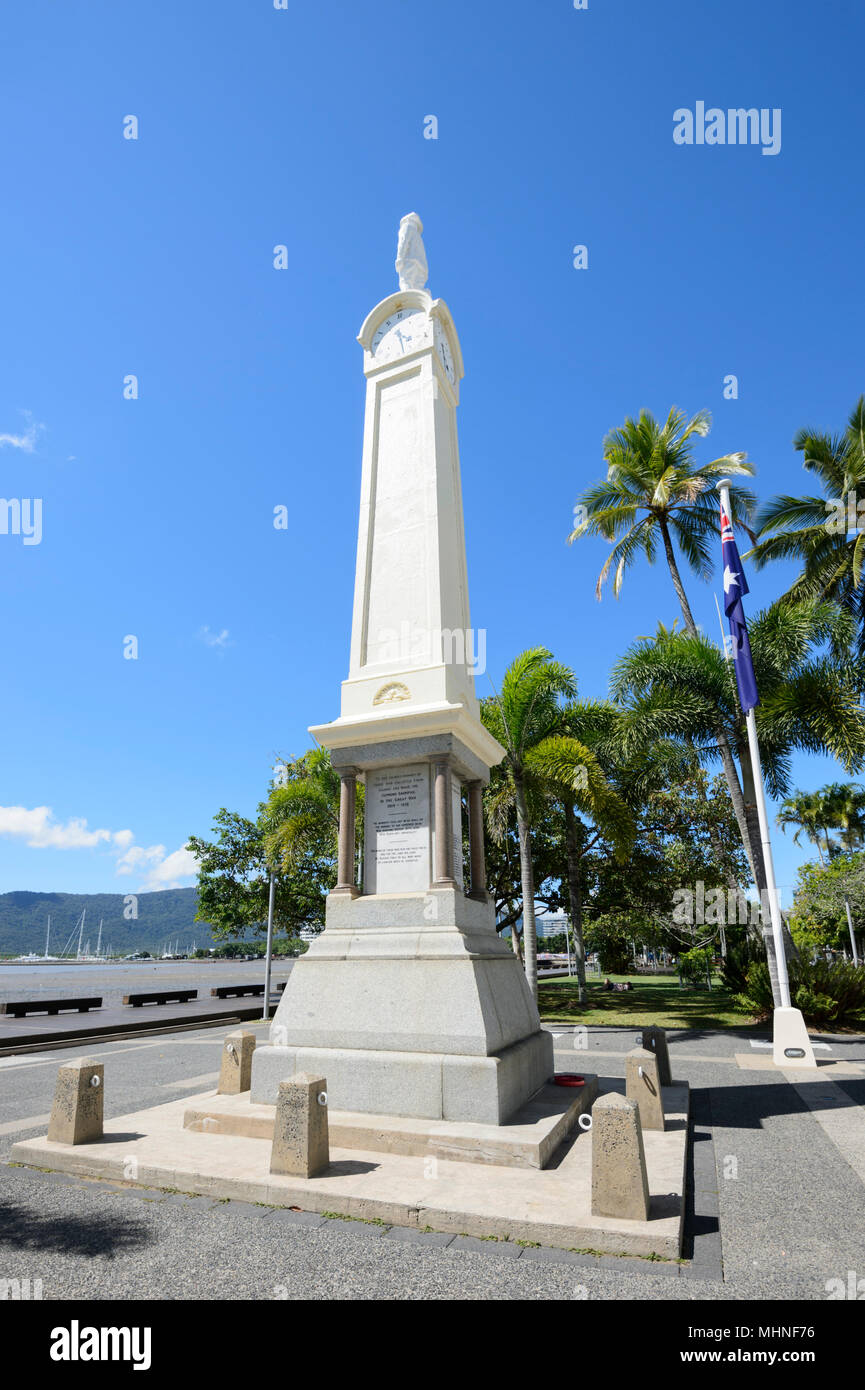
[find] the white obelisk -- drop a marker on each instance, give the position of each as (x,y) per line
(409,1003)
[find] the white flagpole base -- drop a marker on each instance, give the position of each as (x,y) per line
(789,1035)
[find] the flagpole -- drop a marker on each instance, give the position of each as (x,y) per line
(768,862)
(791,1044)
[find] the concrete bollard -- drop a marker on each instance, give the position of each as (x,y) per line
(655,1040)
(235,1072)
(619,1183)
(76,1115)
(300,1137)
(643,1086)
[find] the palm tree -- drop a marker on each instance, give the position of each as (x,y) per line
(525,717)
(567,769)
(679,686)
(844,809)
(654,489)
(814,530)
(301,815)
(807,811)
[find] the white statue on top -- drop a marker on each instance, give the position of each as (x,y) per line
(411,263)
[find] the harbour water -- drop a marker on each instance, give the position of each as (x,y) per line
(113,979)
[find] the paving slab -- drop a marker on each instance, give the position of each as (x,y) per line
(762,1061)
(550,1206)
(528,1140)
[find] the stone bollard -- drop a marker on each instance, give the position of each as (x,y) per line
(642,1085)
(619,1183)
(235,1072)
(655,1040)
(76,1115)
(300,1138)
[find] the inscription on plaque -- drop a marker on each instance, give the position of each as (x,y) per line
(397,830)
(457,827)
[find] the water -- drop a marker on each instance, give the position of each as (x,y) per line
(111,980)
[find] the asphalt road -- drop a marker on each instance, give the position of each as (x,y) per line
(777,1208)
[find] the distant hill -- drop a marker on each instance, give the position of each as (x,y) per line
(162,917)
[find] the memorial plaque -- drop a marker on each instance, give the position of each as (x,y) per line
(397,830)
(457,825)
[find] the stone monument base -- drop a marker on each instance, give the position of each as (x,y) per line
(464,1194)
(531,1139)
(431,1085)
(410,1004)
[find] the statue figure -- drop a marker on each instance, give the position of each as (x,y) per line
(411,263)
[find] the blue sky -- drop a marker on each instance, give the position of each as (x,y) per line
(304,127)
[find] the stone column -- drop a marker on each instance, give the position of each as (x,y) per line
(443,823)
(235,1072)
(345,881)
(620,1186)
(476,841)
(76,1115)
(642,1084)
(301,1145)
(655,1040)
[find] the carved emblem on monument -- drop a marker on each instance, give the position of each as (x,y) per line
(391,693)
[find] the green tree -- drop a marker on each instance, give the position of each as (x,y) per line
(294,833)
(814,530)
(819,918)
(301,816)
(806,811)
(844,804)
(233,883)
(502,848)
(656,492)
(681,685)
(591,805)
(525,716)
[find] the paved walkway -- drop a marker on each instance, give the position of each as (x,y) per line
(777,1198)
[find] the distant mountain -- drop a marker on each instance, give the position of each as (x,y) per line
(162,917)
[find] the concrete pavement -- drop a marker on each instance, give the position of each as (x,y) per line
(776,1208)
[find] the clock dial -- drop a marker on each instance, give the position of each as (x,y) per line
(446,357)
(404,331)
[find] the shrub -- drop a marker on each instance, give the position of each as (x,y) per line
(827,993)
(741,955)
(696,965)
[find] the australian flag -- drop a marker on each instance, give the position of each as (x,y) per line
(735,585)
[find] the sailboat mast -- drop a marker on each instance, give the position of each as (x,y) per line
(81,933)
(47,936)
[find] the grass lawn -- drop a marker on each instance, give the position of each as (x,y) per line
(654,999)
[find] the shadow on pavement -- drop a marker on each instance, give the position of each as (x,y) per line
(25,1228)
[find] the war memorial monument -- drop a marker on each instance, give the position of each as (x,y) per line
(406,1077)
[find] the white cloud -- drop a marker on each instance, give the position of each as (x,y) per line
(25,441)
(214,639)
(158,869)
(137,857)
(41,831)
(170,871)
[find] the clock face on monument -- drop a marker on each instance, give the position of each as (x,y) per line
(445,356)
(404,331)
